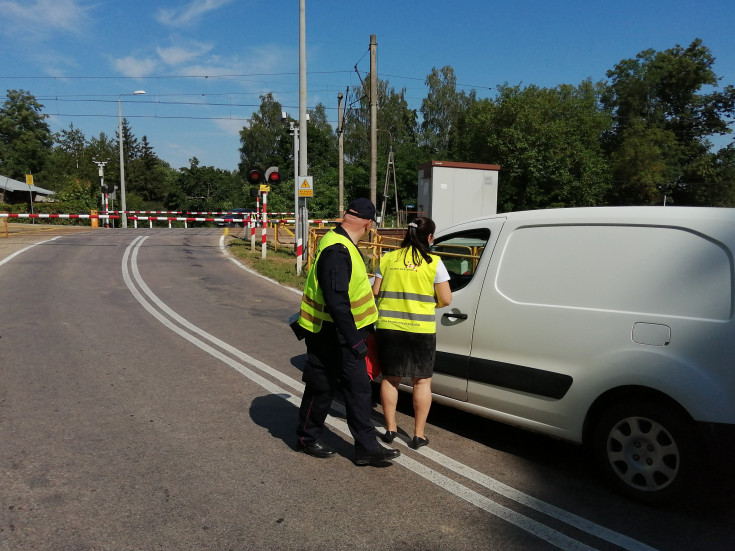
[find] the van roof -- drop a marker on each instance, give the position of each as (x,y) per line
(706,219)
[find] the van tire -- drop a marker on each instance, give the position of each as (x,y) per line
(646,450)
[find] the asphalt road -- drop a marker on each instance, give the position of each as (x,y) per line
(149,388)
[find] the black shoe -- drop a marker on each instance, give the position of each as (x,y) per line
(379,458)
(419,442)
(388,436)
(315,449)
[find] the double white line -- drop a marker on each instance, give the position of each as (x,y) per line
(252,368)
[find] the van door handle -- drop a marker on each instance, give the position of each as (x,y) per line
(455,315)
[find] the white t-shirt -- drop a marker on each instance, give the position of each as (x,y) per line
(441,276)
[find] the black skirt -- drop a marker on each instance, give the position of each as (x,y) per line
(404,354)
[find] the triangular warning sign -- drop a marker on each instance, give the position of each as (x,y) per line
(306,188)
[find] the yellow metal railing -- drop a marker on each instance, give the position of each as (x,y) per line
(377,241)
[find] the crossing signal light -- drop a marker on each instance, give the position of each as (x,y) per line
(272,176)
(254,175)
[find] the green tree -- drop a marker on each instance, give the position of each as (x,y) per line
(103,149)
(322,157)
(443,112)
(204,189)
(25,137)
(266,142)
(643,166)
(547,141)
(150,176)
(77,196)
(69,160)
(722,190)
(397,130)
(663,122)
(133,169)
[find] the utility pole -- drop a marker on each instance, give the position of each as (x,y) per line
(373,119)
(341,152)
(298,238)
(303,165)
(103,189)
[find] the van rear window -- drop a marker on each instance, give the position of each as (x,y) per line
(651,270)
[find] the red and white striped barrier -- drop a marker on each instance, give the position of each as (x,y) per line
(184,219)
(215,212)
(51,215)
(292,221)
(151,212)
(115,215)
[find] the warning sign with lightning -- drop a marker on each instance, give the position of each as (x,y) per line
(306,186)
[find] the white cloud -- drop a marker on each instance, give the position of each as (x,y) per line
(231,127)
(258,60)
(40,16)
(190,13)
(176,55)
(55,63)
(134,67)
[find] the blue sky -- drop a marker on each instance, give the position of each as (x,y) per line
(204,63)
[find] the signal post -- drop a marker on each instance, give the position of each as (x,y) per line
(264,180)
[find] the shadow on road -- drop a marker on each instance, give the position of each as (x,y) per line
(549,458)
(275,413)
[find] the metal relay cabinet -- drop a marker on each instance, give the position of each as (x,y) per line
(451,192)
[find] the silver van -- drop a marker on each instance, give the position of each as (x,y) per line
(609,327)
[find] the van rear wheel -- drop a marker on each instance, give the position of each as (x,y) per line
(646,450)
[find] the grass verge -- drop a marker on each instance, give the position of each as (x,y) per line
(278,265)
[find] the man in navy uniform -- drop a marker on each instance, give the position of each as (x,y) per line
(337,312)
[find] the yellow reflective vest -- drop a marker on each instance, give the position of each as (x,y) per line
(362,303)
(406,301)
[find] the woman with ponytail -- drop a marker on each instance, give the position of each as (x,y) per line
(409,285)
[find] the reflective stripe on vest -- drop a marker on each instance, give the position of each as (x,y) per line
(406,301)
(362,303)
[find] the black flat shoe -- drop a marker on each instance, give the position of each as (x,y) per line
(419,442)
(315,449)
(379,458)
(388,436)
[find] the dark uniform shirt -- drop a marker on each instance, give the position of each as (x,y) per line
(333,271)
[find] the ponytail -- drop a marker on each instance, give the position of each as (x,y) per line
(417,239)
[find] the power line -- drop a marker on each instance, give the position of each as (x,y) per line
(167,77)
(230,76)
(474,86)
(154,117)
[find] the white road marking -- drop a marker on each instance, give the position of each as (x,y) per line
(16,253)
(554,537)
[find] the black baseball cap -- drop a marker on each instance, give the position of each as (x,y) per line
(362,208)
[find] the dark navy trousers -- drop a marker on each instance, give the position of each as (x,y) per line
(330,365)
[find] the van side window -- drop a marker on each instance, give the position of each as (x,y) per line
(461,253)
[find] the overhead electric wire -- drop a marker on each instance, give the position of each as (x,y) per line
(230,118)
(168,77)
(232,76)
(114,98)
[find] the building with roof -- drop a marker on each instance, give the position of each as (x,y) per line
(13,192)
